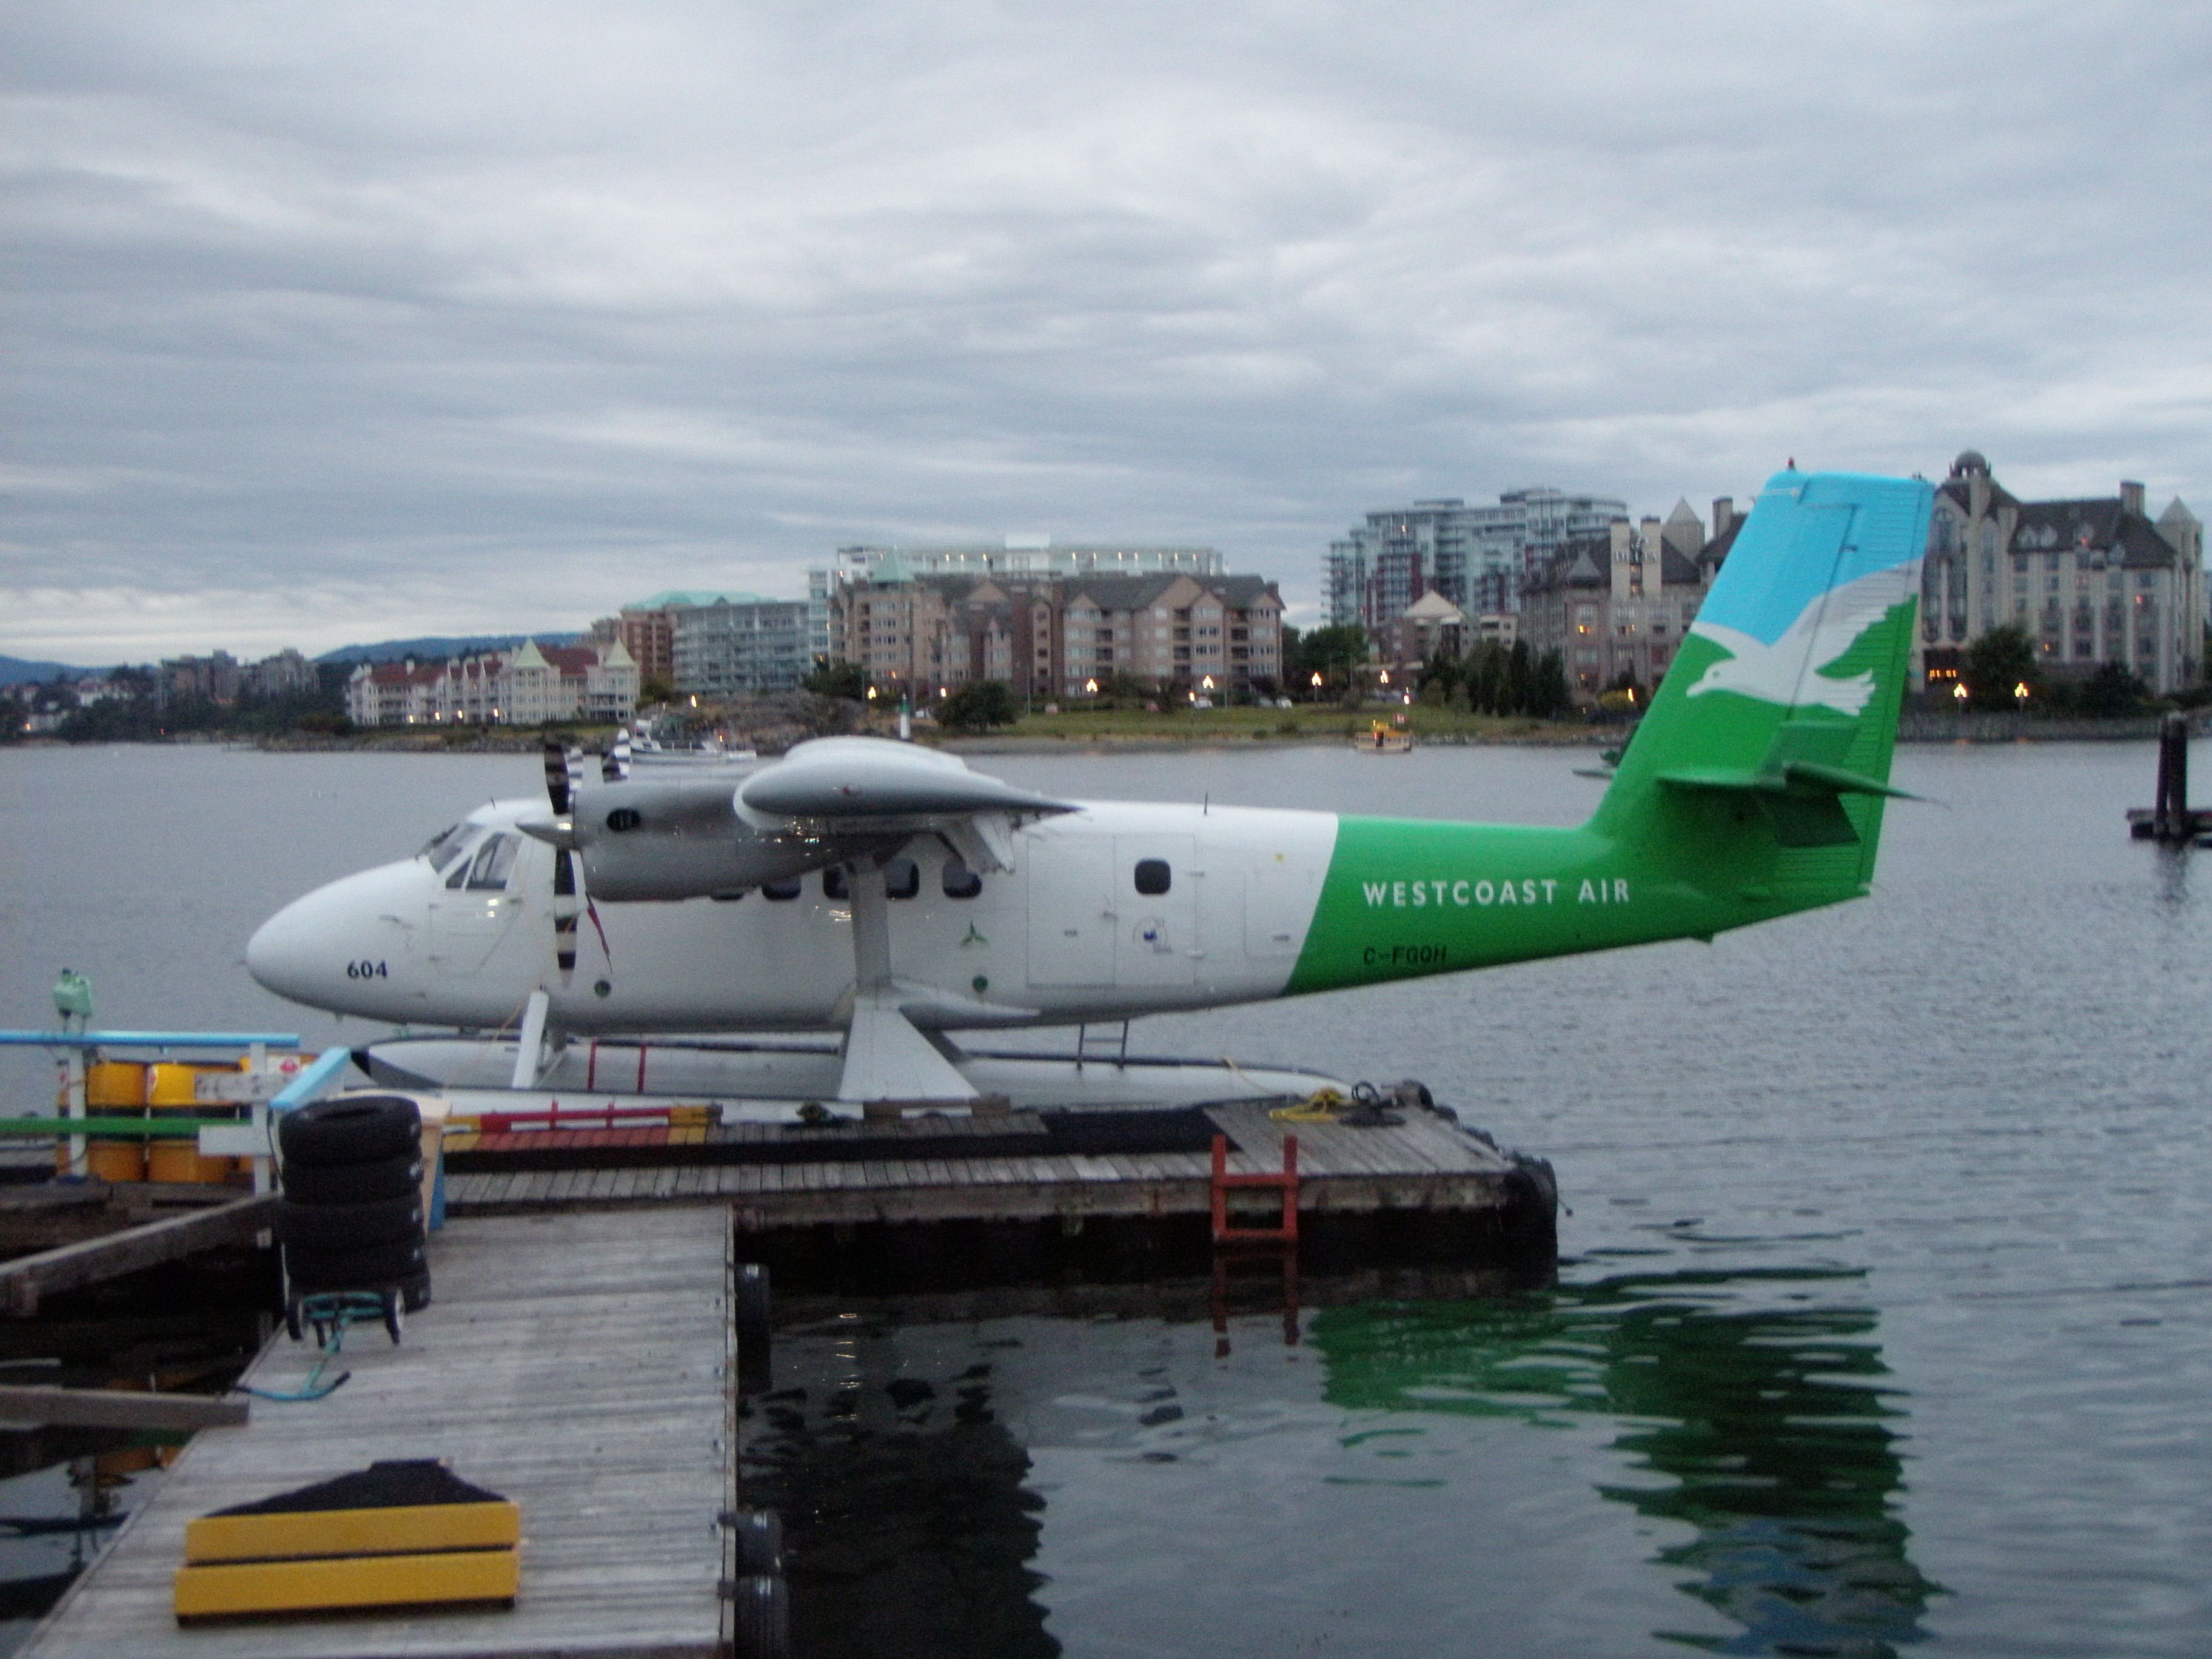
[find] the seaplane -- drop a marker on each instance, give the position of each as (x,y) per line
(852,921)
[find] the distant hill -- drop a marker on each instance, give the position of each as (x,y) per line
(434,647)
(14,671)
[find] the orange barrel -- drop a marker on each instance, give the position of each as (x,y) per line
(109,1082)
(112,1160)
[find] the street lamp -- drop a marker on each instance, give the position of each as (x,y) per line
(2019,695)
(1959,692)
(1090,688)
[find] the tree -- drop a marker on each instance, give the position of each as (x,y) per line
(1332,653)
(838,679)
(2000,660)
(651,688)
(2112,690)
(1121,690)
(978,706)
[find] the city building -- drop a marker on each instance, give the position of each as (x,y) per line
(1024,558)
(1431,626)
(1059,639)
(727,644)
(1171,630)
(740,645)
(1616,606)
(219,678)
(286,674)
(211,678)
(526,686)
(1477,557)
(2093,581)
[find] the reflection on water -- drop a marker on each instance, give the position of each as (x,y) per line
(1768,1424)
(907,1527)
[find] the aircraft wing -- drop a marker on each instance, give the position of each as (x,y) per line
(829,800)
(863,781)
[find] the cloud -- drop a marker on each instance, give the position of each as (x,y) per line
(326,324)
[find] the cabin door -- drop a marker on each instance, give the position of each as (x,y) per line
(1071,894)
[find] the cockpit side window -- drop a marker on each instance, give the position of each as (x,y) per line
(494,861)
(435,849)
(958,881)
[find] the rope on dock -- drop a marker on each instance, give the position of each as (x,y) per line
(330,1315)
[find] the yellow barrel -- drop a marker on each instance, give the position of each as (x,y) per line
(114,1082)
(113,1160)
(180,1160)
(176,1083)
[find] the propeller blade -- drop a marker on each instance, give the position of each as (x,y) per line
(565,910)
(614,765)
(556,777)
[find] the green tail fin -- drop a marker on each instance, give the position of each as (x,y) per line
(1766,750)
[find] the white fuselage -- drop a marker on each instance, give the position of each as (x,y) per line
(464,934)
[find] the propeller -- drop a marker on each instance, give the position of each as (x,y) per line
(614,766)
(561,791)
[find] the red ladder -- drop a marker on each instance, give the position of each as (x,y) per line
(1286,1183)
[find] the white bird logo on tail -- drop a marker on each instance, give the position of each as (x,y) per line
(1787,671)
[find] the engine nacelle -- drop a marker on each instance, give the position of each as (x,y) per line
(642,841)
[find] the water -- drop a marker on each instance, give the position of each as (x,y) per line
(1881,1324)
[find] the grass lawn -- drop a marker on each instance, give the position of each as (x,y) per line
(1306,723)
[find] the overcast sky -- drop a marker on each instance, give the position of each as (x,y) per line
(334,323)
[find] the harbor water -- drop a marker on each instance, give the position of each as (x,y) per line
(1884,1313)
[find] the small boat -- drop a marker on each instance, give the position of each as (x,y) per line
(1385,739)
(644,748)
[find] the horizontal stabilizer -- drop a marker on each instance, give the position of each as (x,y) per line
(1803,797)
(1797,777)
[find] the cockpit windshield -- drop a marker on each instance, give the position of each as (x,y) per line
(491,866)
(447,846)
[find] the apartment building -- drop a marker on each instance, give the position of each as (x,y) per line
(2091,580)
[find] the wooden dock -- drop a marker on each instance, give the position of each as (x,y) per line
(578,1364)
(930,1202)
(1425,1161)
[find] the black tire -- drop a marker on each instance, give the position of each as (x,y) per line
(763,1607)
(371,1268)
(350,1226)
(415,1293)
(755,1365)
(354,1183)
(350,1129)
(758,1541)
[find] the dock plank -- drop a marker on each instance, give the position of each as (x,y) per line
(576,1362)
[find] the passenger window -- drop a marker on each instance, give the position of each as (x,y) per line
(1153,876)
(492,862)
(901,880)
(781,891)
(833,885)
(960,882)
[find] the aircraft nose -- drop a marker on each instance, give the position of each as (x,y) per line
(303,953)
(280,955)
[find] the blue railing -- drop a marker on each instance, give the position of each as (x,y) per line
(147,1039)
